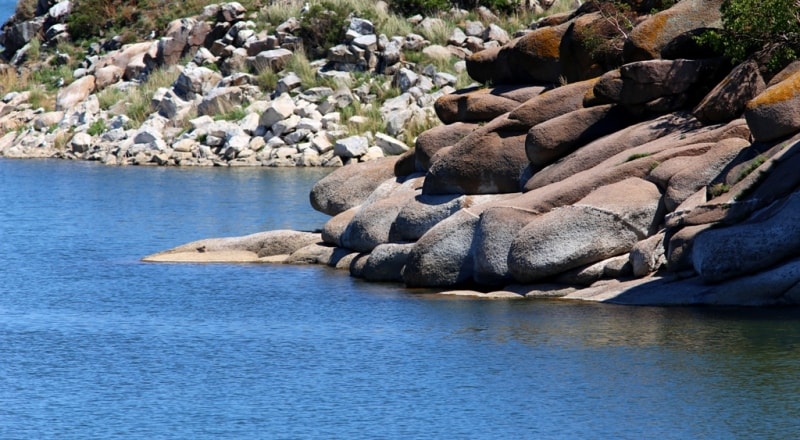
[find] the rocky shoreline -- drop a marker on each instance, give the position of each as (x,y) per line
(216,112)
(658,173)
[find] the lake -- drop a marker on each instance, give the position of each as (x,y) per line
(95,344)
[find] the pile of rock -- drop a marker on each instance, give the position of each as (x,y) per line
(215,114)
(659,182)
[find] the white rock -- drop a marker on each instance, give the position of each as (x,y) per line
(372,153)
(279,109)
(238,143)
(390,145)
(321,143)
(353,146)
(285,126)
(81,142)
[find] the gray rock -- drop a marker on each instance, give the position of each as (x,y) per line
(221,100)
(442,257)
(606,223)
(495,33)
(195,81)
(474,29)
(350,186)
(361,26)
(405,79)
(390,145)
(767,238)
(366,42)
(274,60)
(279,109)
(288,83)
(81,142)
(386,262)
(647,256)
(146,135)
(353,146)
(457,37)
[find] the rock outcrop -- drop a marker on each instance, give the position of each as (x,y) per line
(644,170)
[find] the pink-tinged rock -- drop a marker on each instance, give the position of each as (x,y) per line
(728,99)
(489,161)
(606,223)
(773,113)
(350,185)
(430,141)
(75,93)
(649,37)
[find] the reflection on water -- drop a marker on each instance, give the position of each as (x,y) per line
(95,344)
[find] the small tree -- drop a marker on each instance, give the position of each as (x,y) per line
(769,29)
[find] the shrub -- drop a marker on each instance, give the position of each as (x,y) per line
(98,127)
(322,27)
(752,166)
(767,28)
(26,10)
(39,98)
(236,114)
(425,7)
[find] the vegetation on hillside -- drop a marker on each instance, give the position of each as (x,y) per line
(768,29)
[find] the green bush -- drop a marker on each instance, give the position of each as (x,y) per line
(412,7)
(322,27)
(769,28)
(98,127)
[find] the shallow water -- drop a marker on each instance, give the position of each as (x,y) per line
(95,344)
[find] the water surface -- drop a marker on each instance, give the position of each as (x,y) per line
(96,344)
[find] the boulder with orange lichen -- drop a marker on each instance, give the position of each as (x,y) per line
(479,105)
(530,59)
(773,113)
(649,38)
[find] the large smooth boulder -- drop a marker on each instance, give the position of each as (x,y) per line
(429,142)
(606,223)
(650,37)
(489,161)
(601,149)
(386,262)
(494,234)
(634,162)
(684,176)
(470,105)
(80,89)
(773,113)
(550,140)
(590,47)
(728,99)
(425,211)
(642,82)
(333,229)
(249,247)
(552,103)
(532,58)
(372,224)
(442,257)
(350,185)
(767,238)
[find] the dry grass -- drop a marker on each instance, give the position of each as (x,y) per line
(138,107)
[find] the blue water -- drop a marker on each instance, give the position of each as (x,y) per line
(7,8)
(95,344)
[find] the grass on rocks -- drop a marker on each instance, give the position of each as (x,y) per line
(138,106)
